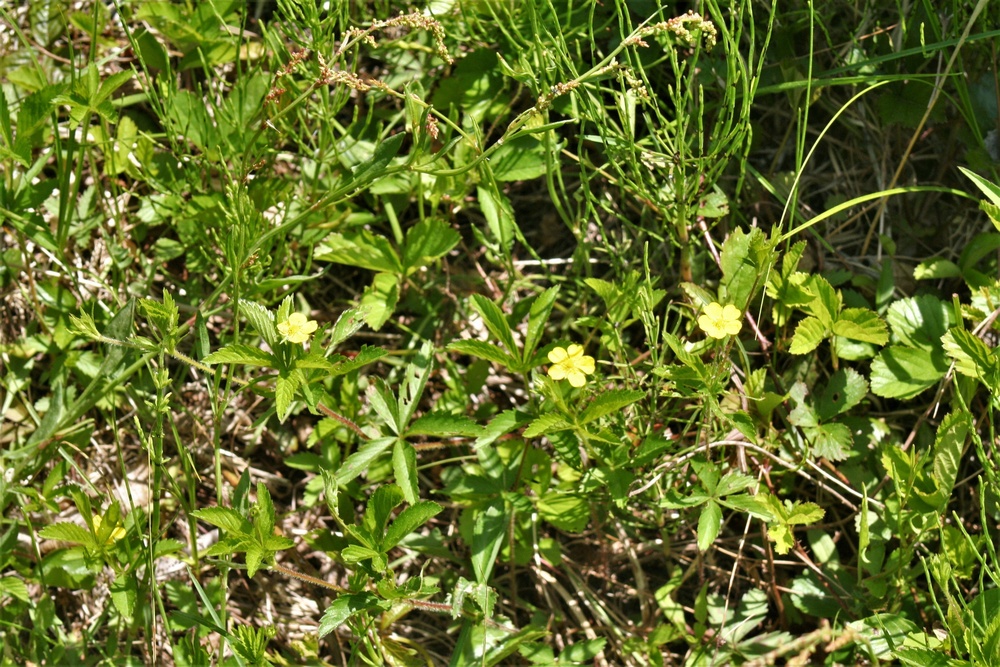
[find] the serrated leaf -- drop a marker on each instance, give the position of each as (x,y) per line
(15,587)
(935,269)
(380,299)
(367,355)
(802,513)
(314,360)
(566,511)
(225,518)
(845,389)
(254,559)
(262,321)
(344,607)
(408,521)
(484,350)
(538,316)
(832,441)
(487,536)
(550,422)
(444,425)
(989,189)
(808,335)
(734,482)
(67,532)
(826,302)
(608,402)
(904,372)
(241,354)
(359,461)
(124,593)
(746,257)
(501,425)
(362,249)
(781,535)
(426,241)
(970,354)
(348,324)
(381,399)
(496,322)
(863,325)
(919,321)
(285,386)
(404,467)
(264,516)
(709,525)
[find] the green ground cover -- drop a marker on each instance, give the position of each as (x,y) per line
(499,332)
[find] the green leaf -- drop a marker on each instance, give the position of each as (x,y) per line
(904,372)
(501,425)
(444,425)
(264,516)
(404,467)
(861,324)
(802,513)
(499,216)
(379,300)
(367,355)
(487,536)
(734,482)
(348,324)
(346,606)
(709,525)
(919,321)
(385,404)
(845,389)
(949,444)
(521,159)
(14,586)
(285,386)
(362,249)
(782,537)
(538,316)
(566,511)
(408,521)
(225,518)
(970,354)
(550,422)
(124,593)
(826,302)
(496,322)
(261,319)
(935,269)
(608,402)
(808,335)
(67,532)
(986,187)
(359,461)
(746,257)
(484,350)
(380,506)
(375,168)
(426,241)
(832,441)
(242,354)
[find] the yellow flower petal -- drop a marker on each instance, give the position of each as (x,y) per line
(718,321)
(297,328)
(571,364)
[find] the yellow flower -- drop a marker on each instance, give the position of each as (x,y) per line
(297,329)
(719,322)
(571,364)
(116,534)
